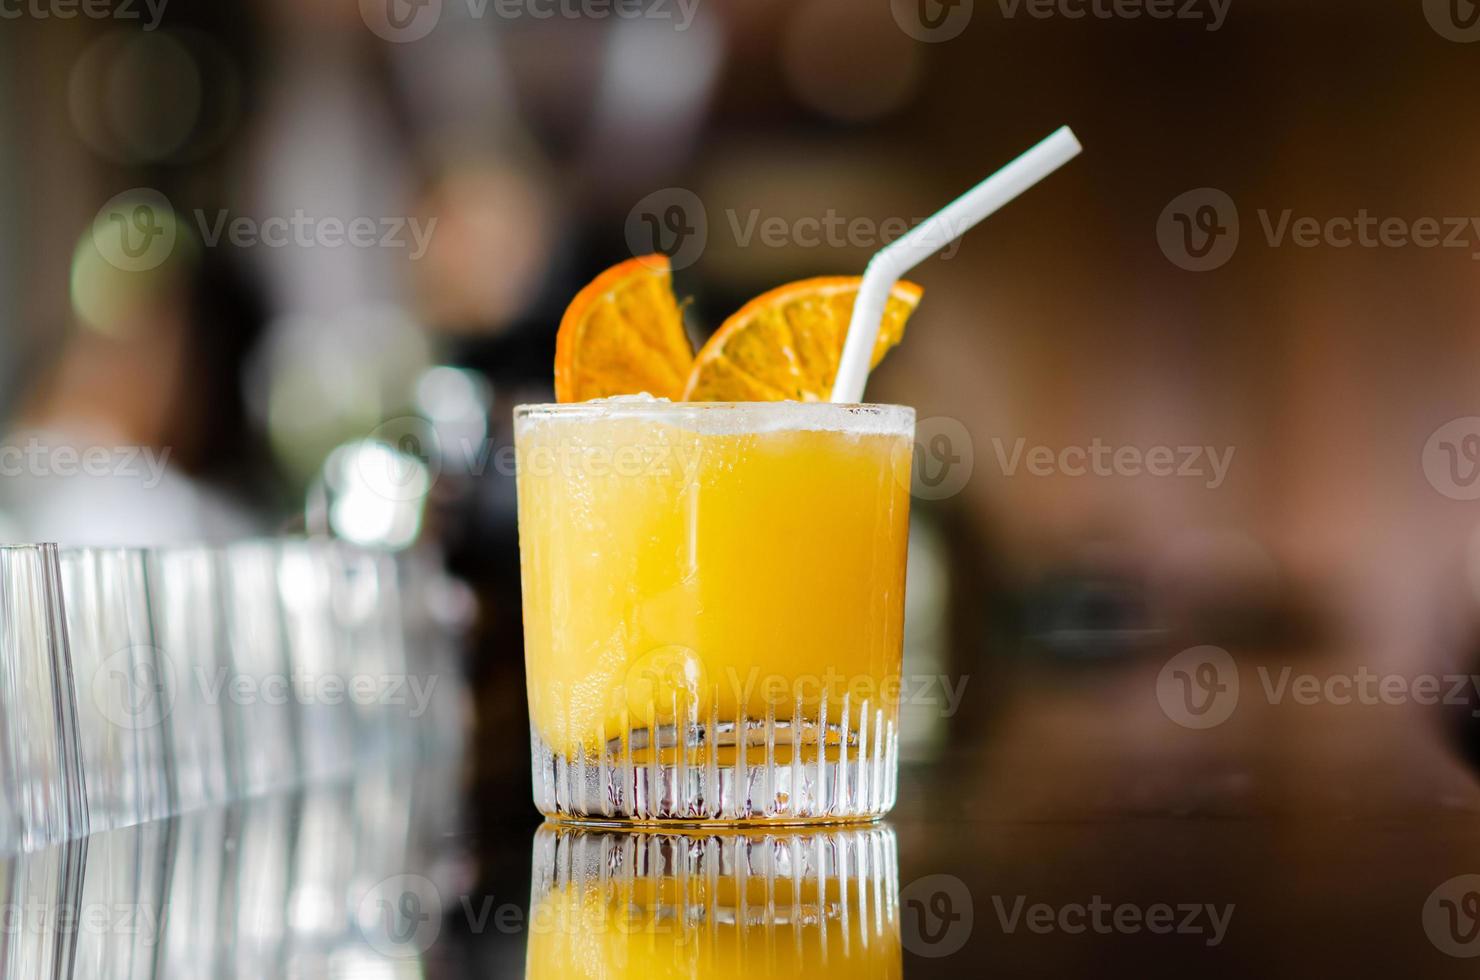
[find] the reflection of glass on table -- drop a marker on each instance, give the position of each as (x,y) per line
(736,903)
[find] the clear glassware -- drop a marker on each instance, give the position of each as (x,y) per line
(264,737)
(41,791)
(365,605)
(34,887)
(123,901)
(323,856)
(713,607)
(124,687)
(320,660)
(185,589)
(768,903)
(257,916)
(196,939)
(434,610)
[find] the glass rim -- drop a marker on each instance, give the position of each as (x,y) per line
(806,415)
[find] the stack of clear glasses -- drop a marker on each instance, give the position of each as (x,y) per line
(136,684)
(287,884)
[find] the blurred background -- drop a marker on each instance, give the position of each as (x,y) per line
(251,253)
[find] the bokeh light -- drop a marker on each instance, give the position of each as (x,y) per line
(864,72)
(360,510)
(320,382)
(109,281)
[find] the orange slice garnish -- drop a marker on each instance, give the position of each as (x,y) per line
(623,334)
(786,344)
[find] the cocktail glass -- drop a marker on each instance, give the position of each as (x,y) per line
(713,607)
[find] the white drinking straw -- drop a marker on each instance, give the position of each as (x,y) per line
(929,237)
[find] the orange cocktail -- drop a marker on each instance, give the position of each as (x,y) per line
(713,606)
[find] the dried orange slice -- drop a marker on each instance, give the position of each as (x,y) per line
(785,344)
(623,334)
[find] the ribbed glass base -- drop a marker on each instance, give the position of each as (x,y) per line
(751,770)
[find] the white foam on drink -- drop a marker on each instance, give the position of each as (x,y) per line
(731,418)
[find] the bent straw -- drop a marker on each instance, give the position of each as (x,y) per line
(929,237)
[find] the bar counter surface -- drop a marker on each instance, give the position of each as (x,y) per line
(1092,826)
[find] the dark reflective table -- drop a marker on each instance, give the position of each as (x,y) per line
(1078,830)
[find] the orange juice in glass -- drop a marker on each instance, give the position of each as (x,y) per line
(713,607)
